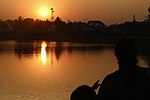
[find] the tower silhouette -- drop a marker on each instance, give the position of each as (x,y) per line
(52,14)
(134,18)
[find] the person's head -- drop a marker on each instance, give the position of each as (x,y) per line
(126,51)
(83,92)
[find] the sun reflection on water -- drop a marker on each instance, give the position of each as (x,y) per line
(43,53)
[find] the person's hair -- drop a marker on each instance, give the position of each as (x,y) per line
(126,47)
(83,92)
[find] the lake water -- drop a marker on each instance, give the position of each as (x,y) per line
(40,70)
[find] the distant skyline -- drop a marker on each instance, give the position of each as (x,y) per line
(108,11)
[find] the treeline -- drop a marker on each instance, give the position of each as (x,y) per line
(58,30)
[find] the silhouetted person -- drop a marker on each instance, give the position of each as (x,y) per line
(85,92)
(130,82)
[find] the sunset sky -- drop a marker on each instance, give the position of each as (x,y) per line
(108,11)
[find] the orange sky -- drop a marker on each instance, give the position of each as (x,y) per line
(108,11)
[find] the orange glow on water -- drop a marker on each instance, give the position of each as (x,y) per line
(43,53)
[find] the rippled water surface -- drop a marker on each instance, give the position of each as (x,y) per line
(40,70)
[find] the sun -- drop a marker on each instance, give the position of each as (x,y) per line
(44,13)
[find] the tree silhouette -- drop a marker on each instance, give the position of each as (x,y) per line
(59,24)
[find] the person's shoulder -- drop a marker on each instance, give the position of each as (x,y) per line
(144,72)
(113,75)
(143,69)
(111,80)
